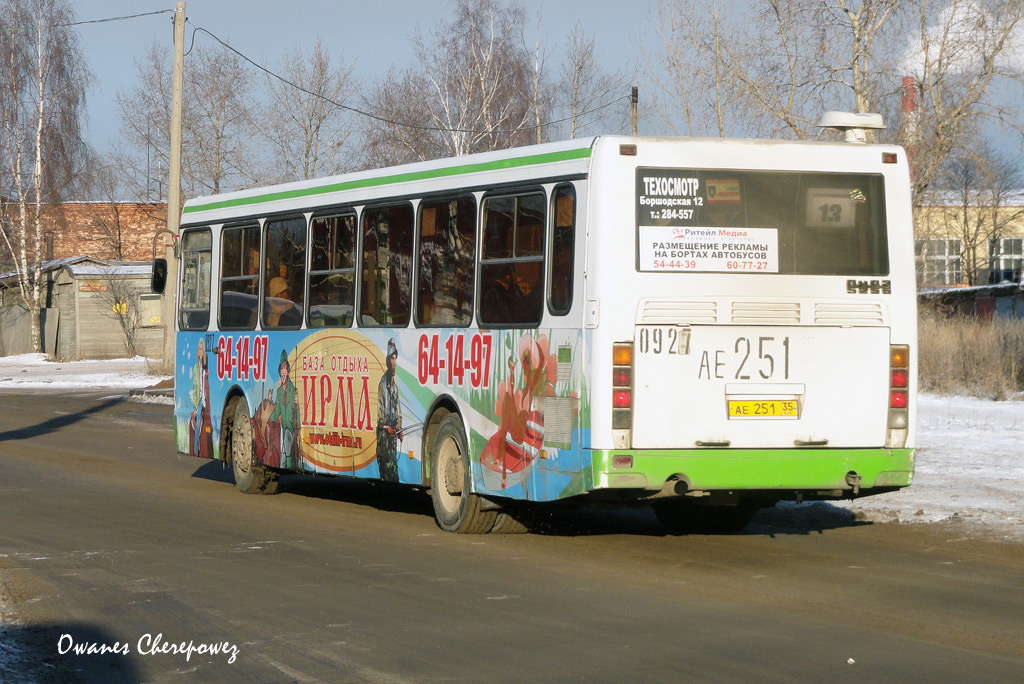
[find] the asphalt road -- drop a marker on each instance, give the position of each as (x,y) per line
(107,536)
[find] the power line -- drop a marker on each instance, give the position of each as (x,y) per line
(87,21)
(355,110)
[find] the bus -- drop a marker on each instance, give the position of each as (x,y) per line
(703,326)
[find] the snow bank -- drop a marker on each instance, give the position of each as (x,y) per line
(35,371)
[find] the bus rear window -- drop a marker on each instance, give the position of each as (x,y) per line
(726,221)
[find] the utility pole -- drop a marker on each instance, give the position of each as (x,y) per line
(174,188)
(634,96)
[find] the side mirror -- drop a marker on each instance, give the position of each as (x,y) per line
(159,280)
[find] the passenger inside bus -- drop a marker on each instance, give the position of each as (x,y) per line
(281,310)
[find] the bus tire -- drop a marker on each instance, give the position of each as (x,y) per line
(683,517)
(511,520)
(456,508)
(251,476)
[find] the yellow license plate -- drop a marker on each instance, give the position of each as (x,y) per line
(769,408)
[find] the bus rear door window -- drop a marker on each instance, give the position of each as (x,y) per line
(512,264)
(563,236)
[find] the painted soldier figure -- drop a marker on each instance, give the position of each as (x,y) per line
(389,418)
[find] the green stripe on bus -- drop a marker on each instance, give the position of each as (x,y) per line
(514,162)
(819,469)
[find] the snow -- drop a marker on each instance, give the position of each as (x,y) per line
(970,466)
(35,371)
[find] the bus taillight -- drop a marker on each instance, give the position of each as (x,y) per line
(622,382)
(899,391)
(622,354)
(897,399)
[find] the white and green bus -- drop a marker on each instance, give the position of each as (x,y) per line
(705,326)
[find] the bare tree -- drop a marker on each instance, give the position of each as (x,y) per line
(408,133)
(696,89)
(472,91)
(307,129)
(967,58)
(218,150)
(111,222)
(771,67)
(541,99)
(42,100)
(122,304)
(585,87)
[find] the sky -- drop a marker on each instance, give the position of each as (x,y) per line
(373,34)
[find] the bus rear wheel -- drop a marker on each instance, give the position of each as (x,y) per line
(251,476)
(684,517)
(456,508)
(511,519)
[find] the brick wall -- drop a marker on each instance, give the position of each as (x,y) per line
(104,230)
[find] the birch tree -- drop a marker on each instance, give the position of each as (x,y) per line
(306,130)
(771,67)
(471,91)
(584,87)
(42,98)
(219,146)
(967,58)
(695,87)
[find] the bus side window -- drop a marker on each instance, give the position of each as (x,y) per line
(386,282)
(512,263)
(284,280)
(332,282)
(239,277)
(196,267)
(447,248)
(563,236)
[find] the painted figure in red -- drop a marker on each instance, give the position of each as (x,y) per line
(520,436)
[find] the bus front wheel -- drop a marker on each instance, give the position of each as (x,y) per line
(456,508)
(251,476)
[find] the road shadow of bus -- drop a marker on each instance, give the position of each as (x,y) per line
(783,519)
(786,518)
(58,422)
(32,655)
(383,496)
(214,470)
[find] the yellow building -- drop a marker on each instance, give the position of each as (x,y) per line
(962,239)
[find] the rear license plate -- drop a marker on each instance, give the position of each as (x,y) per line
(767,408)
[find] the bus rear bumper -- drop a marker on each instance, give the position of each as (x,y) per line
(849,470)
